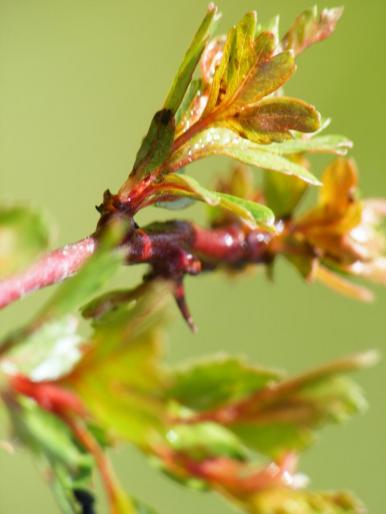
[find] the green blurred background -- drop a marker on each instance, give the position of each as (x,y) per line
(79,82)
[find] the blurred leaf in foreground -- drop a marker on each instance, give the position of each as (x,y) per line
(24,234)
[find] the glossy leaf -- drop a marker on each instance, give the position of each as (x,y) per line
(183,114)
(333,144)
(272,119)
(190,61)
(311,27)
(221,141)
(24,234)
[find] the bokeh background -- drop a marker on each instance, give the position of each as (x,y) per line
(79,82)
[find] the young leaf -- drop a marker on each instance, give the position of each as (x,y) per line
(272,119)
(311,27)
(247,73)
(221,141)
(24,234)
(190,61)
(156,145)
(334,144)
(249,212)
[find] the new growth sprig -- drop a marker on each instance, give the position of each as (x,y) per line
(220,424)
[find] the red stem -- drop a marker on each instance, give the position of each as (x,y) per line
(50,269)
(162,243)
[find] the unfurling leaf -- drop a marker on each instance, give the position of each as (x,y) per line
(248,72)
(249,212)
(24,234)
(190,61)
(311,27)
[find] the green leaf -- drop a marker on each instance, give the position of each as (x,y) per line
(120,378)
(249,212)
(221,141)
(205,440)
(286,416)
(211,383)
(283,500)
(190,61)
(238,57)
(252,213)
(192,92)
(69,468)
(333,144)
(156,145)
(24,234)
(311,27)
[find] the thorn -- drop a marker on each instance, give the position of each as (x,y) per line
(179,295)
